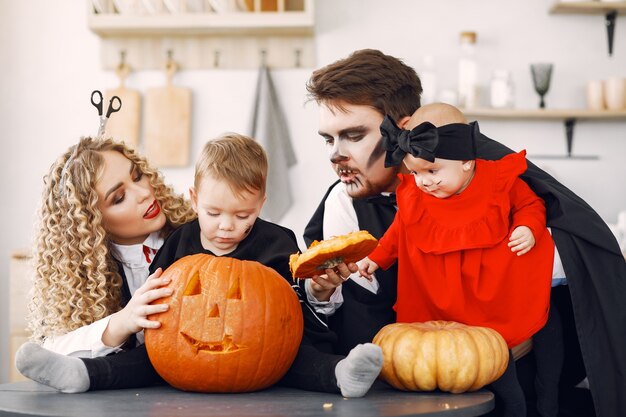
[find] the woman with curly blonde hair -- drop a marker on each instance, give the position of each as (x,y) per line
(104,213)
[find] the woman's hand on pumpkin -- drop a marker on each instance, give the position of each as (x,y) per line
(367,268)
(323,286)
(133,317)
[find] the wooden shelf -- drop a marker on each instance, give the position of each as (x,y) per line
(243,23)
(281,38)
(588,7)
(545,114)
(569,117)
(610,10)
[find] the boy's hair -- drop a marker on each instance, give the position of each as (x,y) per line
(236,159)
(368,77)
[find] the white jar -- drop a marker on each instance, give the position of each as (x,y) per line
(501,89)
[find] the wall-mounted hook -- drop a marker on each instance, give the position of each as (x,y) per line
(122,69)
(298,53)
(170,67)
(216,58)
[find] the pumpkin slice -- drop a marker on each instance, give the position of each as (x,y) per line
(331,252)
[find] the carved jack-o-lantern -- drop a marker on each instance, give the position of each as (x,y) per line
(232,326)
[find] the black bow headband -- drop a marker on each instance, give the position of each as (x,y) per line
(454,141)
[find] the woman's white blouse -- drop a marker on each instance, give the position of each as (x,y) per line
(86,341)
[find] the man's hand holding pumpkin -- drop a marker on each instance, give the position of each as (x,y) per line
(323,286)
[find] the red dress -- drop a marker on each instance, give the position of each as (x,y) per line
(453,259)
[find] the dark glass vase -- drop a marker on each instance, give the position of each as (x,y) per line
(541,80)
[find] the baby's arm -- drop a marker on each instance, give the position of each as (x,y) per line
(522,240)
(367,268)
(528,214)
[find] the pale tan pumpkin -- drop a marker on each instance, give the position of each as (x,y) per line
(443,355)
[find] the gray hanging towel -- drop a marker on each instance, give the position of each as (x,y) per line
(269,128)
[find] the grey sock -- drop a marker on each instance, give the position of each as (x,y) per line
(65,373)
(358,371)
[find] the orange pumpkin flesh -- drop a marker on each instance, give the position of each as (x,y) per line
(442,355)
(231,326)
(329,253)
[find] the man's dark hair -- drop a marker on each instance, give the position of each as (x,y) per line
(368,77)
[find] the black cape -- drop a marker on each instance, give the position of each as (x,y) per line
(596,276)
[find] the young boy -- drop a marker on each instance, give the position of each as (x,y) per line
(228,194)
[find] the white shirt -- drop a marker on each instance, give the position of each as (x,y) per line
(339,219)
(86,341)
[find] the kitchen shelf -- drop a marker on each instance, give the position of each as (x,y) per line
(610,10)
(281,38)
(274,23)
(545,114)
(588,7)
(568,116)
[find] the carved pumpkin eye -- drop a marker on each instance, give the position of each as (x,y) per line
(194,287)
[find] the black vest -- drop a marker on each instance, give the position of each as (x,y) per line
(363,313)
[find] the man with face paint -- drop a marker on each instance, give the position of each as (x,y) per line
(354,95)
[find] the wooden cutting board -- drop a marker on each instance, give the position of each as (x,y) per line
(167,124)
(124,125)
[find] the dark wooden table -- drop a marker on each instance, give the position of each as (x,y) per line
(32,399)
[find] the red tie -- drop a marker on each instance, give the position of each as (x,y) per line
(148,253)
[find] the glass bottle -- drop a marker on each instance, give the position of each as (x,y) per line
(468,71)
(428,77)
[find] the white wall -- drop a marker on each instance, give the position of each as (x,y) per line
(50,65)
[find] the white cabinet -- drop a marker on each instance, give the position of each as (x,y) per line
(20,282)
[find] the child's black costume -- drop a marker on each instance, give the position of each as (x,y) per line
(268,244)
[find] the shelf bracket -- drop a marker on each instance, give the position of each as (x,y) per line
(610,28)
(569,134)
(569,123)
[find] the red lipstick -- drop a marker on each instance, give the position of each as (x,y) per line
(152,211)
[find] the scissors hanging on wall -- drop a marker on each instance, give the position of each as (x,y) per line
(115,104)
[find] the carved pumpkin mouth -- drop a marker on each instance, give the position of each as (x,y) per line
(226,345)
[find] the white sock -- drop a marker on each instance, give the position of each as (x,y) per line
(357,372)
(64,373)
